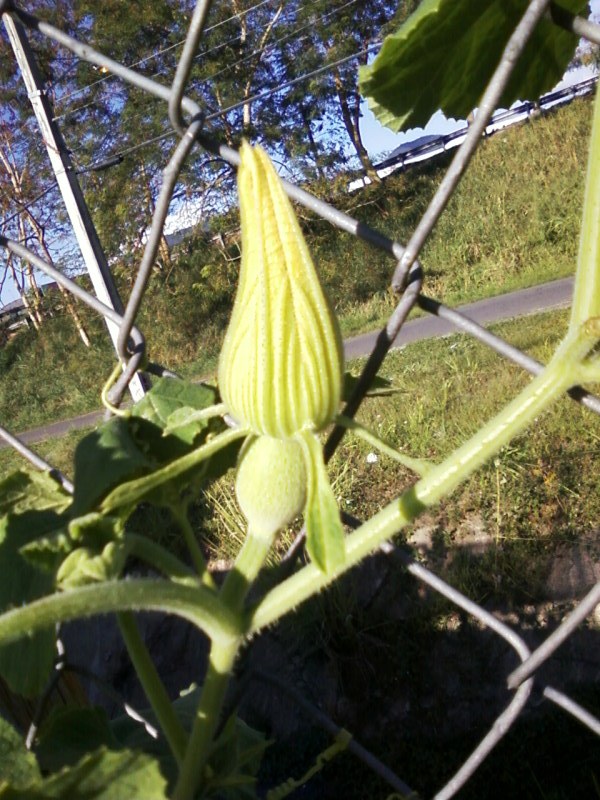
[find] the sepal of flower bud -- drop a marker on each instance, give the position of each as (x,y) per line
(325,542)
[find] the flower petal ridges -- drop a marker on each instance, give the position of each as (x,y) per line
(280,369)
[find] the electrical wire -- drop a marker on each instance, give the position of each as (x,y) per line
(157,53)
(259,51)
(270,47)
(259,96)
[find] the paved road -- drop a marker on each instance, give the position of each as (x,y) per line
(515,304)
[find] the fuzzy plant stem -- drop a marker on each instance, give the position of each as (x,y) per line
(158,557)
(220,665)
(152,685)
(247,565)
(197,604)
(198,560)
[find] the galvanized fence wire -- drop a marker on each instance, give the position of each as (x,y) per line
(189,121)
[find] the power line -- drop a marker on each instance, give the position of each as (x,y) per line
(229,67)
(267,48)
(259,96)
(272,45)
(157,53)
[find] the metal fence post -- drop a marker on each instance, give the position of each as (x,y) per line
(81,220)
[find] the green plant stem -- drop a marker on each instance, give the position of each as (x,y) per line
(158,557)
(197,604)
(562,373)
(419,465)
(220,667)
(198,416)
(196,554)
(586,292)
(247,565)
(235,588)
(134,491)
(152,685)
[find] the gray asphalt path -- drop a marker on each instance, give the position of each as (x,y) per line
(495,309)
(556,294)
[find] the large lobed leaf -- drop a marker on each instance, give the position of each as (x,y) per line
(32,506)
(125,449)
(445,53)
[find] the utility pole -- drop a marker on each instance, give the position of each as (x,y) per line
(81,220)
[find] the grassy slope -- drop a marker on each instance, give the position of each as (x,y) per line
(513,223)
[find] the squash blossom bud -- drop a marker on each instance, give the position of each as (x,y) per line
(280,369)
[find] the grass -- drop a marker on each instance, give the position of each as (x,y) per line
(57,451)
(512,223)
(545,481)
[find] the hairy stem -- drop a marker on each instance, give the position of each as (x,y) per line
(197,604)
(152,685)
(193,547)
(158,557)
(247,565)
(136,490)
(419,465)
(220,667)
(586,292)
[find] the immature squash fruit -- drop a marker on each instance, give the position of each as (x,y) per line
(271,484)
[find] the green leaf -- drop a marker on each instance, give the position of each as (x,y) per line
(46,552)
(103,459)
(102,775)
(164,486)
(31,490)
(235,757)
(25,664)
(69,734)
(130,452)
(94,531)
(84,566)
(170,404)
(169,395)
(324,531)
(182,424)
(445,53)
(235,760)
(18,767)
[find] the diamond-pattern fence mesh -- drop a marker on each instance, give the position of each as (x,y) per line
(408,280)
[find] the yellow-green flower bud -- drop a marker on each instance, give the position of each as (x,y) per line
(271,484)
(280,369)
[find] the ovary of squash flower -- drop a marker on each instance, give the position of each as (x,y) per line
(281,368)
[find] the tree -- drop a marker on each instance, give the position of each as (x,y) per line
(27,216)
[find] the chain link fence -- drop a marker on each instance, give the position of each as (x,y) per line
(408,280)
